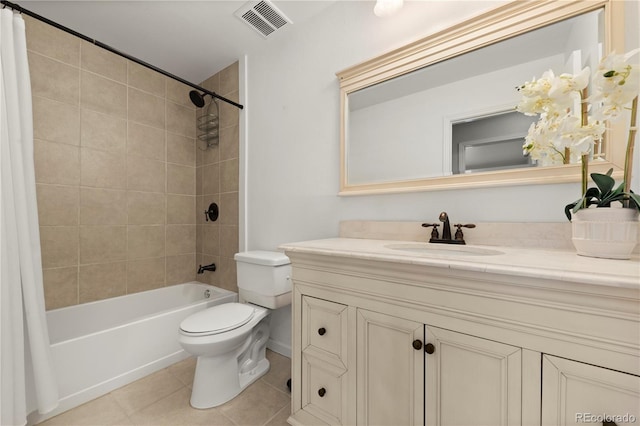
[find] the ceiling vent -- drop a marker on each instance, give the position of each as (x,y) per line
(262,16)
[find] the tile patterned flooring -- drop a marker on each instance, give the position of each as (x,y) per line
(162,398)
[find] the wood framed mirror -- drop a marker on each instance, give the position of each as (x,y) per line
(402,112)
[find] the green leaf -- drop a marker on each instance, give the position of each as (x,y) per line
(634,199)
(604,182)
(568,207)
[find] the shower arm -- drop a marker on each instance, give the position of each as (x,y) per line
(6,3)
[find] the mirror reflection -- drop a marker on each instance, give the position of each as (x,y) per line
(457,116)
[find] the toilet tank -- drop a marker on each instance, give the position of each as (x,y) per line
(264,278)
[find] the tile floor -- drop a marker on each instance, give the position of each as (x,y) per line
(162,398)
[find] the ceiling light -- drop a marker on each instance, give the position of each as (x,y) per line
(387,7)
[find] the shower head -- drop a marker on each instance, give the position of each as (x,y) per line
(197,98)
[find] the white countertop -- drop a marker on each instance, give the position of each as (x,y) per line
(539,263)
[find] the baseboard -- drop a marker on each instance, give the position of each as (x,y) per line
(279,347)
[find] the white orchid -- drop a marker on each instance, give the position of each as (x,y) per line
(615,84)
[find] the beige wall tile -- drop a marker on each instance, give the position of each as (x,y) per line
(229,79)
(229,208)
(229,114)
(145,241)
(56,121)
(199,238)
(145,175)
(103,132)
(179,93)
(59,246)
(146,208)
(60,287)
(211,155)
(229,175)
(211,239)
(212,83)
(181,209)
(103,206)
(146,79)
(181,269)
(181,179)
(57,205)
(199,172)
(54,80)
(145,274)
(146,109)
(146,141)
(229,138)
(100,244)
(56,163)
(181,120)
(102,281)
(181,149)
(101,169)
(49,41)
(181,239)
(100,61)
(227,274)
(228,240)
(103,95)
(211,179)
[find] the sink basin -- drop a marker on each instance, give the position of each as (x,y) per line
(443,250)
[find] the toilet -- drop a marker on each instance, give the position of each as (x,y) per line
(230,340)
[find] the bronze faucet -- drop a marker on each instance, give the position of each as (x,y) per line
(446,231)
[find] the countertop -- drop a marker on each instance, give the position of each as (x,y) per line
(553,264)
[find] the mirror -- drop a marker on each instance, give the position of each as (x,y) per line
(439,113)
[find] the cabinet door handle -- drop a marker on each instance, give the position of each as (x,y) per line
(322,392)
(429,348)
(322,331)
(608,423)
(417,344)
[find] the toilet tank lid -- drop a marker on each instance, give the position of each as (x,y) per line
(262,257)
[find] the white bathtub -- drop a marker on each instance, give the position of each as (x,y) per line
(100,346)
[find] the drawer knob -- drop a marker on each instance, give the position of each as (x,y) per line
(429,348)
(417,344)
(322,331)
(322,392)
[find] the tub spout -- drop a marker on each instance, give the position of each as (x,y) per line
(211,268)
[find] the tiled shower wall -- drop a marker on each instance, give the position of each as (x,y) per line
(115,158)
(217,181)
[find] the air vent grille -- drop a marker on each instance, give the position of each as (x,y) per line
(262,16)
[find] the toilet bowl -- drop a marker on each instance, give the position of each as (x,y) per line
(230,340)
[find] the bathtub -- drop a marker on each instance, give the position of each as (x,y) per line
(100,346)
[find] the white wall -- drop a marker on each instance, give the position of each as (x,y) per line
(293,131)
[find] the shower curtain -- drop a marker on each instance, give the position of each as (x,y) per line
(23,327)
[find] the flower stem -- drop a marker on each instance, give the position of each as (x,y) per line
(584,174)
(628,159)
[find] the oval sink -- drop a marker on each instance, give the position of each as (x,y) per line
(443,250)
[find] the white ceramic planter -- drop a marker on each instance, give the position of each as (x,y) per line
(610,233)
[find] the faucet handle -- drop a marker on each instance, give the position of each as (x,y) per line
(434,232)
(468,225)
(459,236)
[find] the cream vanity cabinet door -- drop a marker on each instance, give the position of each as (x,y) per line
(324,361)
(390,370)
(576,393)
(471,381)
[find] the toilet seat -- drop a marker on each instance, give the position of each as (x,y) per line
(217,319)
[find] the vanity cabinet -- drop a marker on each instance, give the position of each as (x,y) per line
(386,341)
(578,393)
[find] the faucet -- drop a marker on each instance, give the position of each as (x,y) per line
(211,267)
(446,231)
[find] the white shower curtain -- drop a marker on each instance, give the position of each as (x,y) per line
(23,327)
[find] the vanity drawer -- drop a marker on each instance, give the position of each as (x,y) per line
(323,390)
(324,327)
